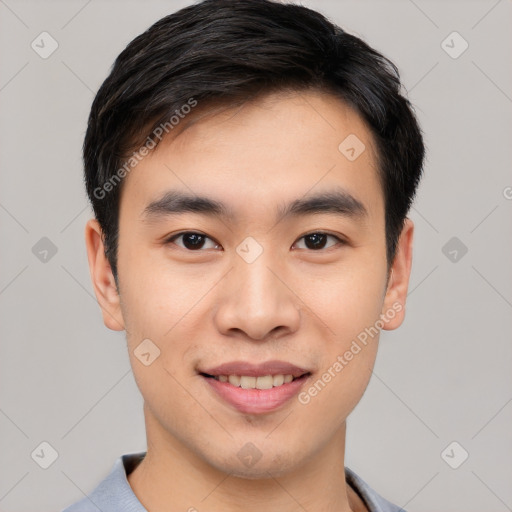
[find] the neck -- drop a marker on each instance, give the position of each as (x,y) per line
(173,477)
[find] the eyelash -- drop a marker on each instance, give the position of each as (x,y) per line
(171,239)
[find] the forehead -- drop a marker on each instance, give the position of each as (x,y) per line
(255,154)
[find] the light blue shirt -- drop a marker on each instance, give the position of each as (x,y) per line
(114,493)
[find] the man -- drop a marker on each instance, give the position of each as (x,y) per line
(251,167)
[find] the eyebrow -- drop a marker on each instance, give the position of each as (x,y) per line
(338,201)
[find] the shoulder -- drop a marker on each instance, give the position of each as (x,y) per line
(373,501)
(84,505)
(113,494)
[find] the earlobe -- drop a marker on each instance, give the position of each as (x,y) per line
(393,310)
(102,277)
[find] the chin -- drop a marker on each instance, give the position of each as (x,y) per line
(272,465)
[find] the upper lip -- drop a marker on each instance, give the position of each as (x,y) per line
(274,367)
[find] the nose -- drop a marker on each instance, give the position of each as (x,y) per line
(256,301)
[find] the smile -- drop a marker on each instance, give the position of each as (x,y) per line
(249,382)
(256,395)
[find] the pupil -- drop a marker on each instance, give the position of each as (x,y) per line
(193,240)
(318,240)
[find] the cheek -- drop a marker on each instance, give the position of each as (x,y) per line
(349,307)
(154,295)
(345,301)
(335,392)
(155,311)
(167,307)
(348,352)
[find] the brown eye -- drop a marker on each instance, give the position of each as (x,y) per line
(318,240)
(192,241)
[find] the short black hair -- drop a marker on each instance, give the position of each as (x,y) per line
(230,51)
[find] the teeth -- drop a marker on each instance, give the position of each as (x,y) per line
(247,382)
(263,382)
(235,380)
(278,380)
(266,382)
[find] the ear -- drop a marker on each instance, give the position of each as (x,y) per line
(102,277)
(393,309)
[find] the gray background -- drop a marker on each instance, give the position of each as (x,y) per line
(444,376)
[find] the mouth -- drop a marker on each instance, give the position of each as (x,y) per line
(253,382)
(254,389)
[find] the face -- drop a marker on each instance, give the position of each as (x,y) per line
(283,260)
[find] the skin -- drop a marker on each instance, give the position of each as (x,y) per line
(206,306)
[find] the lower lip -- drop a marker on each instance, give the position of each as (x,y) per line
(256,401)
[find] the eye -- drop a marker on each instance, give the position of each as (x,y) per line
(192,241)
(318,240)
